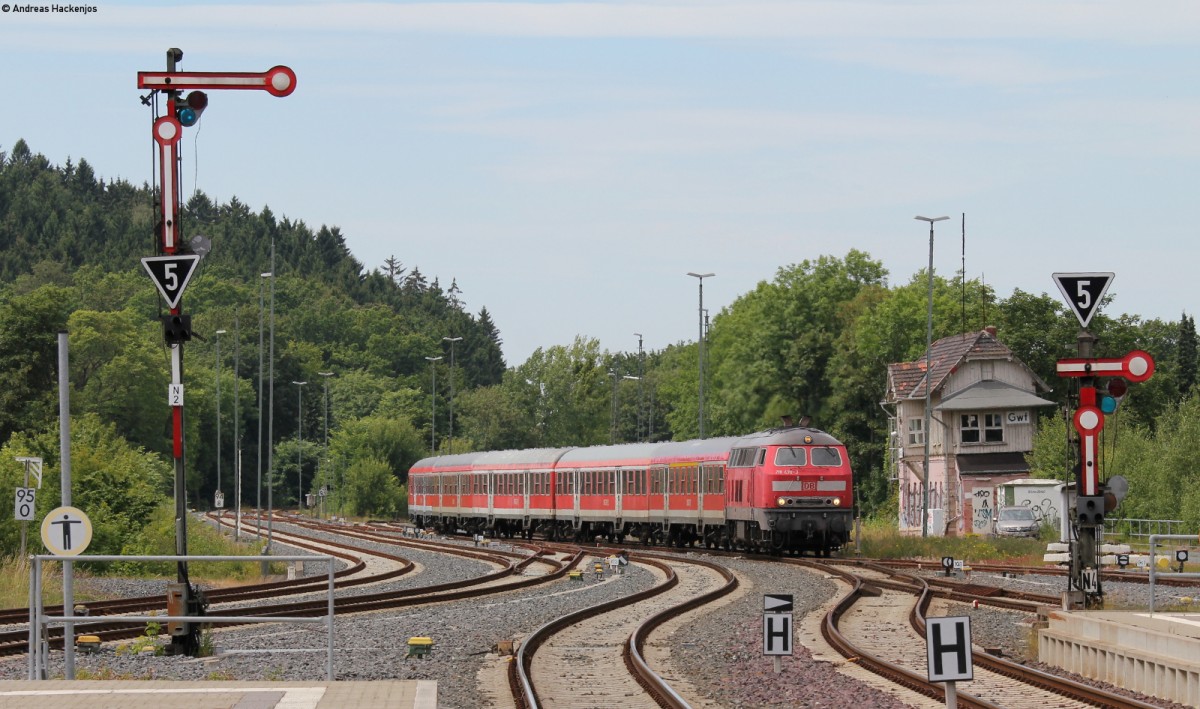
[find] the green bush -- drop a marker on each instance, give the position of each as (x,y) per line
(158,539)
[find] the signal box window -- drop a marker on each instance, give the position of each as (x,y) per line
(992,430)
(791,456)
(916,432)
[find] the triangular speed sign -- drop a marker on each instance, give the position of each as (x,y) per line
(171,274)
(1083,292)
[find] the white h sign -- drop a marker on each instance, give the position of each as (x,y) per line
(777,634)
(948,643)
(777,624)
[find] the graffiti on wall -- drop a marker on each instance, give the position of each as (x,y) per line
(982,509)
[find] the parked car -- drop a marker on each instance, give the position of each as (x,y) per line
(1016,522)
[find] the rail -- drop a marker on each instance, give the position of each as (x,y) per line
(39,621)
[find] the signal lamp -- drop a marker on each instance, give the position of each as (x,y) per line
(1117,388)
(188,110)
(177,329)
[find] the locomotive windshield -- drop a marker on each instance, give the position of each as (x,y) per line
(791,456)
(826,456)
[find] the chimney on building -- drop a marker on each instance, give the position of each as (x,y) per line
(991,330)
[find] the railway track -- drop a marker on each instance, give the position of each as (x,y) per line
(508,565)
(882,626)
(599,650)
(1110,575)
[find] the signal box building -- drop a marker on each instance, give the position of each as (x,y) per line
(983,402)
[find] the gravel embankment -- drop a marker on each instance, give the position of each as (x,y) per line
(718,653)
(721,653)
(1012,634)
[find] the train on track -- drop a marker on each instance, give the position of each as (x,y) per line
(784,490)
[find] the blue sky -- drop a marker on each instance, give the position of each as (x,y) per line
(569,163)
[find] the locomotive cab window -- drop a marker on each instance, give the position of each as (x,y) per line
(826,456)
(791,456)
(742,457)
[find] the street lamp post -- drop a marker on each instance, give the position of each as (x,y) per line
(928,380)
(641,398)
(237,434)
(299,444)
(636,437)
(258,487)
(217,369)
(271,412)
(451,340)
(325,452)
(433,404)
(700,403)
(612,400)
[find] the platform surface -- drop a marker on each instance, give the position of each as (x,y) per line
(123,694)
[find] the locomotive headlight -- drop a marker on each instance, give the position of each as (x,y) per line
(837,502)
(781,502)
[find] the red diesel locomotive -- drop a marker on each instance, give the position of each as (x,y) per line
(786,489)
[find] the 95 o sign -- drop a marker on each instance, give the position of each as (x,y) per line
(24,503)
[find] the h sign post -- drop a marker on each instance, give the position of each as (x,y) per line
(948,646)
(777,626)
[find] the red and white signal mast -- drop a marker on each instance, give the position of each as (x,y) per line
(172,268)
(1083,292)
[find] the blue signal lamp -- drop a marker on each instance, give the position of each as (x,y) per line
(1117,388)
(189,109)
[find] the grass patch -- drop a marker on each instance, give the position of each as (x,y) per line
(881,540)
(158,539)
(14,583)
(203,540)
(105,672)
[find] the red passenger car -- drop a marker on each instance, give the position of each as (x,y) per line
(788,489)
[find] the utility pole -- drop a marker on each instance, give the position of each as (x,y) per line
(700,345)
(433,403)
(219,498)
(452,341)
(258,485)
(928,434)
(299,446)
(641,397)
(325,448)
(237,437)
